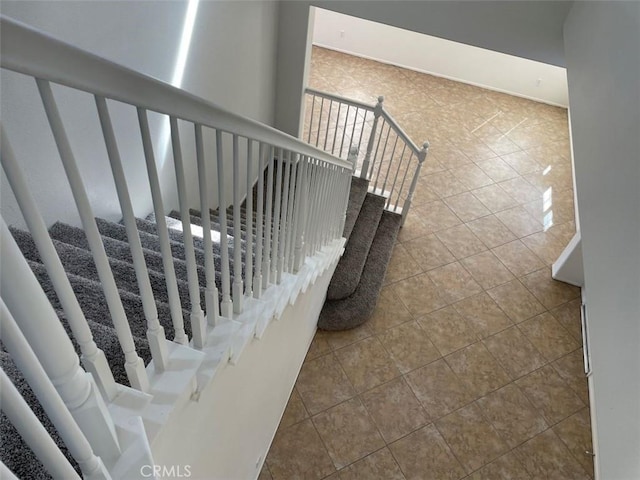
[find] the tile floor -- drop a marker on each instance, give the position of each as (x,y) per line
(471,366)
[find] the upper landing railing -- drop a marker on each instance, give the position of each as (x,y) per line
(299,208)
(371,139)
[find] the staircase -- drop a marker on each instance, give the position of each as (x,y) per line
(357,280)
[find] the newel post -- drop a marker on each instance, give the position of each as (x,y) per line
(421,158)
(364,173)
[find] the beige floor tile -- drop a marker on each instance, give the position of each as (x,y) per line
(428,252)
(419,294)
(394,409)
(448,330)
(454,282)
(425,452)
(389,312)
(445,184)
(367,364)
(435,216)
(550,394)
(569,315)
(472,439)
(520,190)
(265,474)
(348,432)
(480,372)
(295,411)
(516,301)
(522,163)
(514,352)
(342,338)
(439,389)
(472,176)
(507,467)
(497,169)
(491,231)
(512,415)
(319,346)
(518,258)
(519,221)
(461,241)
(545,245)
(322,383)
(409,346)
(575,432)
(466,206)
(550,338)
(298,452)
(401,265)
(483,315)
(413,226)
(487,270)
(545,456)
(494,198)
(571,369)
(379,465)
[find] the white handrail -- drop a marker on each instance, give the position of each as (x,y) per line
(29,51)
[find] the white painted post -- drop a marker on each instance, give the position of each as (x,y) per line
(407,203)
(266,267)
(198,328)
(364,173)
(90,465)
(257,281)
(300,214)
(161,228)
(44,333)
(211,290)
(238,284)
(276,218)
(134,366)
(226,307)
(284,227)
(155,331)
(92,357)
(248,269)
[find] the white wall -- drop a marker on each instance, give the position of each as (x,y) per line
(231,427)
(444,58)
(602,41)
(143,35)
(528,29)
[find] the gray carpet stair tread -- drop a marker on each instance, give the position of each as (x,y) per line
(358,308)
(349,269)
(357,195)
(14,451)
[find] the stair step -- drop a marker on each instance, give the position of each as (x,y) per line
(357,194)
(349,269)
(358,307)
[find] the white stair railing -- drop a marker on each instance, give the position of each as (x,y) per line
(370,137)
(301,201)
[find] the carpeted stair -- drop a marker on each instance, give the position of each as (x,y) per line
(357,280)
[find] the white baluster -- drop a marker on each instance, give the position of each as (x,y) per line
(421,158)
(294,194)
(40,325)
(198,328)
(92,357)
(7,474)
(300,214)
(276,218)
(161,229)
(344,131)
(395,178)
(404,179)
(266,267)
(320,121)
(211,290)
(226,306)
(367,158)
(313,105)
(326,133)
(32,431)
(381,157)
(155,331)
(257,281)
(134,366)
(391,158)
(284,227)
(27,362)
(238,285)
(335,132)
(248,269)
(345,188)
